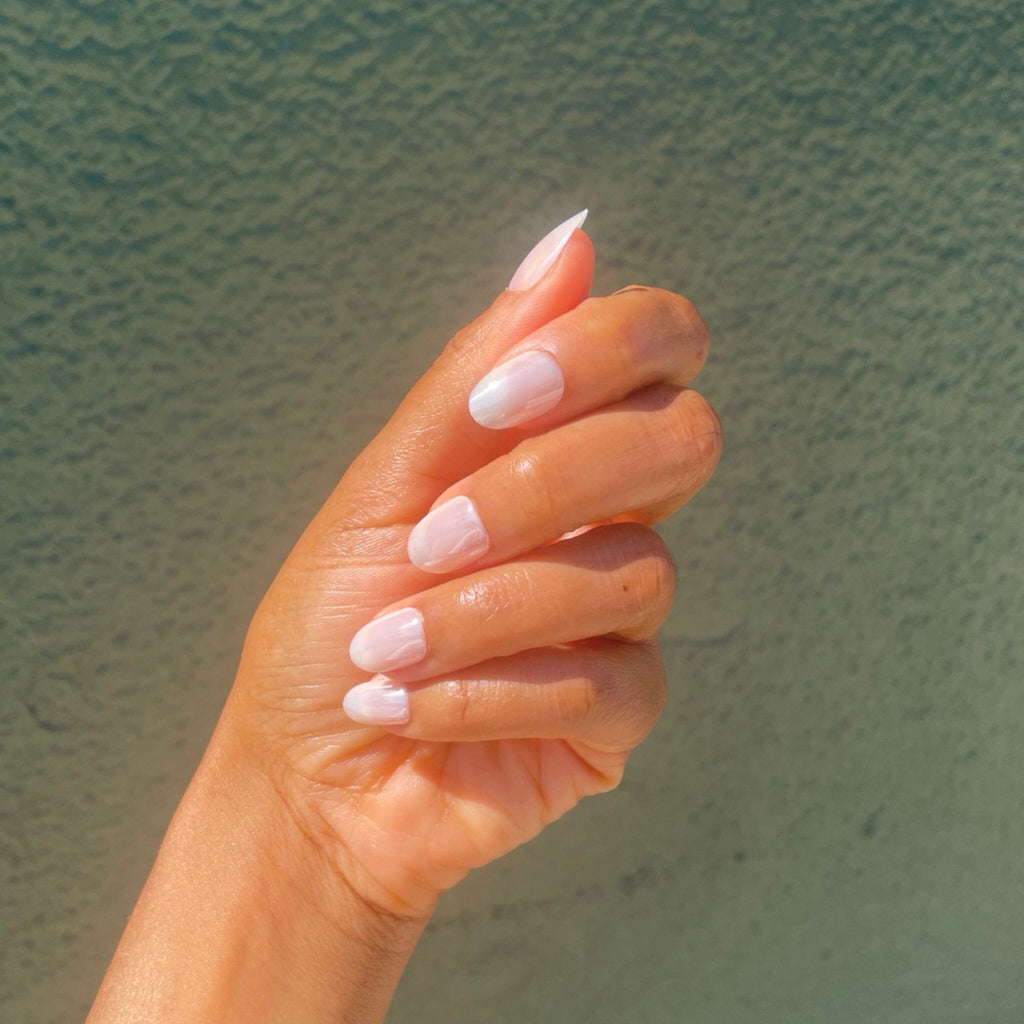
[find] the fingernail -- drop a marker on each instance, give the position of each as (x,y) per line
(519,390)
(377,702)
(389,641)
(544,253)
(449,537)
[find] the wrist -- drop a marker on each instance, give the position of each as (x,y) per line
(244,917)
(232,786)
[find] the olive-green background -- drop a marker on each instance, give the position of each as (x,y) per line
(231,236)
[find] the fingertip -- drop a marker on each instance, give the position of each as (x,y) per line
(545,253)
(563,280)
(575,266)
(377,702)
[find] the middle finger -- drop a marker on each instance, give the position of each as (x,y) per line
(640,458)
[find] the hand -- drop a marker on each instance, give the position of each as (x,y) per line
(520,666)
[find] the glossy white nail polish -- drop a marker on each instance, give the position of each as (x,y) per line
(389,641)
(449,537)
(516,391)
(377,702)
(544,253)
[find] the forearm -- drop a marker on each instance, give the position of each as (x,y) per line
(242,918)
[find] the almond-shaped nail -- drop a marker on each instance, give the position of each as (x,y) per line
(518,390)
(389,641)
(377,702)
(449,537)
(544,253)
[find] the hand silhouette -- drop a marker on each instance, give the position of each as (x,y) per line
(492,548)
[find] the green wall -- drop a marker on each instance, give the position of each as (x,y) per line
(233,234)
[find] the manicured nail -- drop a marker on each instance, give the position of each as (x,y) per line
(449,537)
(544,253)
(517,391)
(377,702)
(389,641)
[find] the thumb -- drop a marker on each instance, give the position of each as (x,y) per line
(432,441)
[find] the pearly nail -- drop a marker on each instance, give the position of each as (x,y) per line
(544,253)
(518,390)
(377,702)
(390,641)
(449,537)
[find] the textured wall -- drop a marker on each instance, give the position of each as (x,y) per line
(232,234)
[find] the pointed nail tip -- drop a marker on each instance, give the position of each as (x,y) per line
(535,266)
(568,227)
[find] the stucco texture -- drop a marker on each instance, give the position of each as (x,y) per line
(233,234)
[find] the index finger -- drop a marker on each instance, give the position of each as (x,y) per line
(594,355)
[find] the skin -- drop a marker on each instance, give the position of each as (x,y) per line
(309,851)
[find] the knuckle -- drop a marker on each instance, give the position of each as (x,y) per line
(634,695)
(457,703)
(647,583)
(661,578)
(695,438)
(705,431)
(481,601)
(575,703)
(468,341)
(651,326)
(691,325)
(674,319)
(657,681)
(496,602)
(531,489)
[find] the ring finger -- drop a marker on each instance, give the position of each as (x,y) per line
(614,580)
